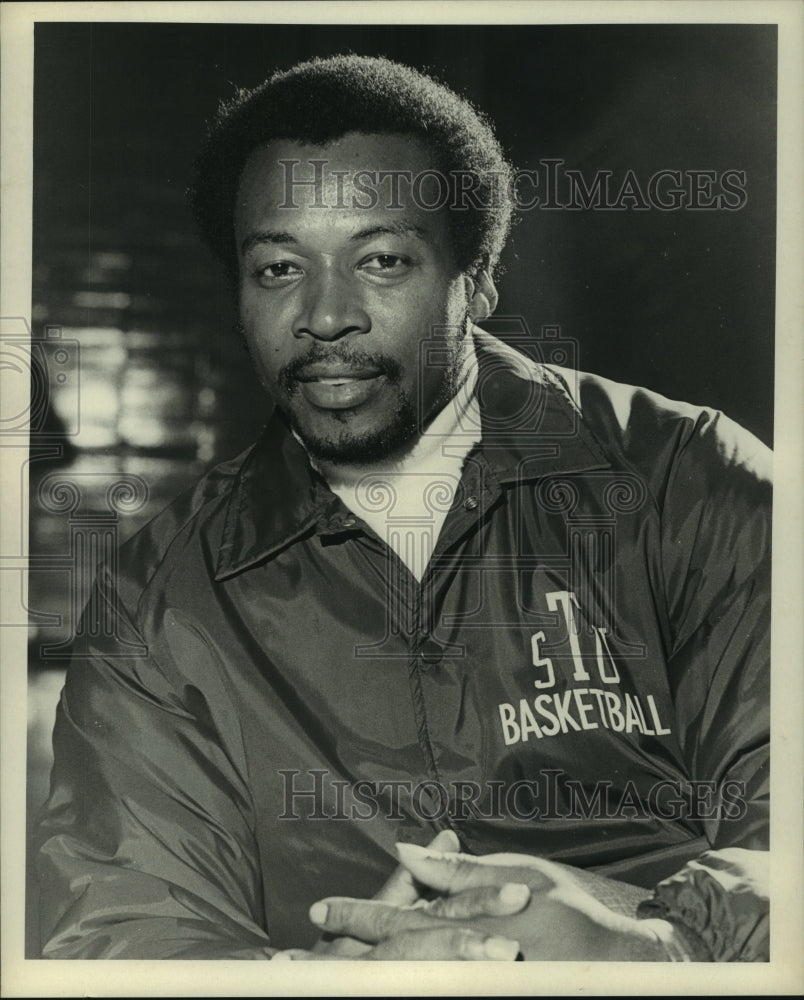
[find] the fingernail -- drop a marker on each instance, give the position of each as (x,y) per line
(500,949)
(282,956)
(514,894)
(318,913)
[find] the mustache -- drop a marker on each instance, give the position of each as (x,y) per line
(291,374)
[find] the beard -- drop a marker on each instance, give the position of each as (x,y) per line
(395,436)
(391,441)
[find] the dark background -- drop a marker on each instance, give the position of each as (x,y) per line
(681,302)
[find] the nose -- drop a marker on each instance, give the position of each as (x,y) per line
(330,308)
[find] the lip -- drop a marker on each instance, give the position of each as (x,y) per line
(340,370)
(338,391)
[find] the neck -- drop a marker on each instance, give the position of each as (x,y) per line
(406,500)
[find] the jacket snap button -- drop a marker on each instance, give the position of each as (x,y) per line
(431,651)
(470,503)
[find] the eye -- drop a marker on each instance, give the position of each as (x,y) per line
(280,272)
(389,265)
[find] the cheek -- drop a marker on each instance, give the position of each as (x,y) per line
(265,355)
(262,331)
(432,310)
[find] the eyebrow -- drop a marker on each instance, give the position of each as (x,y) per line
(263,237)
(275,237)
(389,229)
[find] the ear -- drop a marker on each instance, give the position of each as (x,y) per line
(482,296)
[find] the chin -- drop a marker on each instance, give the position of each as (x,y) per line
(345,446)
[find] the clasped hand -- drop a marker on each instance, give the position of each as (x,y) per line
(499,907)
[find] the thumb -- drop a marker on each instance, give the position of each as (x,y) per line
(452,873)
(400,889)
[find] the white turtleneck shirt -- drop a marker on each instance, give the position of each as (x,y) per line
(405,502)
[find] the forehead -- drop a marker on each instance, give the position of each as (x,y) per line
(356,179)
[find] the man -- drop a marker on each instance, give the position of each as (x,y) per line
(448,590)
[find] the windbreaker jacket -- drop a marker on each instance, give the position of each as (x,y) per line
(264,699)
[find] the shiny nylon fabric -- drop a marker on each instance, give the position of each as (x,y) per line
(220,758)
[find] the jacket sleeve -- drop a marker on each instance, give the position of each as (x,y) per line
(716,521)
(147,844)
(718,906)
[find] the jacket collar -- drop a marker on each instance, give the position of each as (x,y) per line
(530,428)
(531,425)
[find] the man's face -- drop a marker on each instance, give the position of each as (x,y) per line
(335,301)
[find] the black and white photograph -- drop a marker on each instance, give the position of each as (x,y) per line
(392,563)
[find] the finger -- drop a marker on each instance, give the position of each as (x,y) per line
(445,841)
(486,901)
(300,955)
(355,921)
(400,888)
(324,955)
(373,921)
(445,944)
(453,873)
(346,947)
(368,919)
